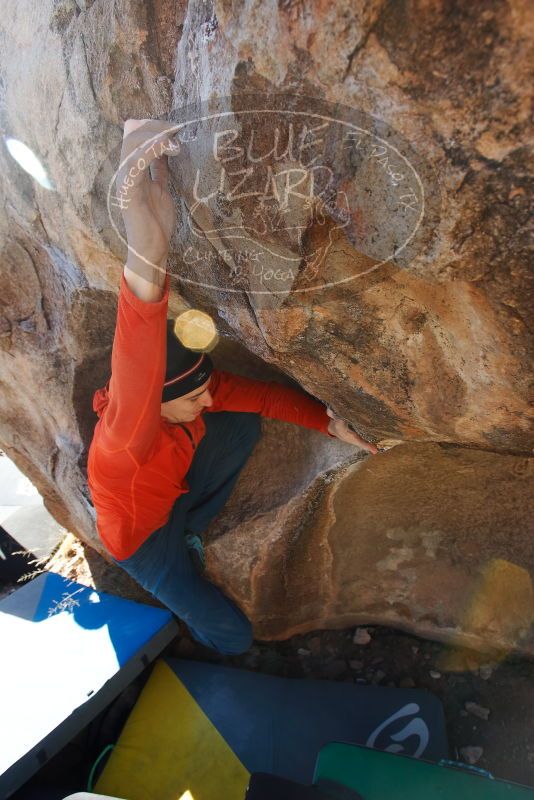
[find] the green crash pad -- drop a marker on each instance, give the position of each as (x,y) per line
(378,775)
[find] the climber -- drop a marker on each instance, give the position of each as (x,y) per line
(159,469)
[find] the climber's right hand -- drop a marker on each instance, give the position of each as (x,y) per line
(146,204)
(340,429)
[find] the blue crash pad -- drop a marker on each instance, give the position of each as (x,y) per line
(67,652)
(278,725)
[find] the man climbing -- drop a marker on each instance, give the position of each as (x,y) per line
(159,468)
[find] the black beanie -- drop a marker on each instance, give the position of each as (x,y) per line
(186,370)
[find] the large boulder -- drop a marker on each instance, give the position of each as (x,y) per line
(430,538)
(426,345)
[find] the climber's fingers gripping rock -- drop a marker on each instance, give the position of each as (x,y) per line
(339,428)
(142,190)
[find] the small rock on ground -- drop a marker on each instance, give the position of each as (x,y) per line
(378,676)
(361,636)
(471,754)
(477,711)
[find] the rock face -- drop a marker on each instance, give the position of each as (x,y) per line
(416,333)
(429,538)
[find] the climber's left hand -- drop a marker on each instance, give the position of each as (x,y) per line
(339,428)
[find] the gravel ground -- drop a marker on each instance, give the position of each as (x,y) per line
(488,705)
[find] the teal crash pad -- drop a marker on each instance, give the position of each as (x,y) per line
(378,775)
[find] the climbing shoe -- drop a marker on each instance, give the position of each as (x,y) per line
(196,550)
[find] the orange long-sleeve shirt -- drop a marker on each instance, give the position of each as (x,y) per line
(137,460)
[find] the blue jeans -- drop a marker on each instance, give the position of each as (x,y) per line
(163,566)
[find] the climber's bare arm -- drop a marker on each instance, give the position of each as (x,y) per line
(146,204)
(340,428)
